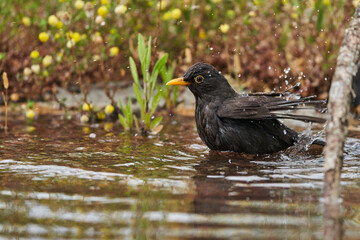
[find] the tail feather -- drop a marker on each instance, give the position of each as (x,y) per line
(319,142)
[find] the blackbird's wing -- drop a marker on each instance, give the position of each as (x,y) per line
(260,107)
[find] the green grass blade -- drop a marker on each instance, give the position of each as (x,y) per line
(155,102)
(164,90)
(148,55)
(160,63)
(167,73)
(137,93)
(152,83)
(147,121)
(123,122)
(156,122)
(140,100)
(129,113)
(141,49)
(122,107)
(134,72)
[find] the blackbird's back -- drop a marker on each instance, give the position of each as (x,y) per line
(241,135)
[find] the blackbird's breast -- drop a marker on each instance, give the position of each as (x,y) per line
(208,124)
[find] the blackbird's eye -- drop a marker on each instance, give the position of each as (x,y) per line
(199,79)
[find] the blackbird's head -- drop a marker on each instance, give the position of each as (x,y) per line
(204,80)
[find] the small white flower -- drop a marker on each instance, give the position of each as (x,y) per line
(79,4)
(84,118)
(27,71)
(99,19)
(47,61)
(224,28)
(35,68)
(97,39)
(120,9)
(96,57)
(70,43)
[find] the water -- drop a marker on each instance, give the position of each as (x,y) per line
(58,182)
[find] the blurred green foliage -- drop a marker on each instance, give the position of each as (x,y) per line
(90,41)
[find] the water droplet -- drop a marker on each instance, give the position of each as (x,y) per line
(211,49)
(92,135)
(286,82)
(269,67)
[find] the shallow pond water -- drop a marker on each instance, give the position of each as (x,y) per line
(63,180)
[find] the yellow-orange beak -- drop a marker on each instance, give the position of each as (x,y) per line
(178,82)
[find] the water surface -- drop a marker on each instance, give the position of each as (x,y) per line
(60,179)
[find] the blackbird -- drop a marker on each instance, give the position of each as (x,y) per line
(245,123)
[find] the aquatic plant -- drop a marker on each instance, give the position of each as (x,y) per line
(144,93)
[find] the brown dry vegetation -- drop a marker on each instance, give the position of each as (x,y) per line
(269,43)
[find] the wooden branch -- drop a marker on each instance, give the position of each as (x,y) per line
(339,106)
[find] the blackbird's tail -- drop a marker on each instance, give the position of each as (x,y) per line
(319,142)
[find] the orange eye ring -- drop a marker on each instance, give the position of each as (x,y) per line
(199,79)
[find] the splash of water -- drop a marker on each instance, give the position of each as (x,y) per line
(306,139)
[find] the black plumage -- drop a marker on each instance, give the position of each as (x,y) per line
(246,123)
